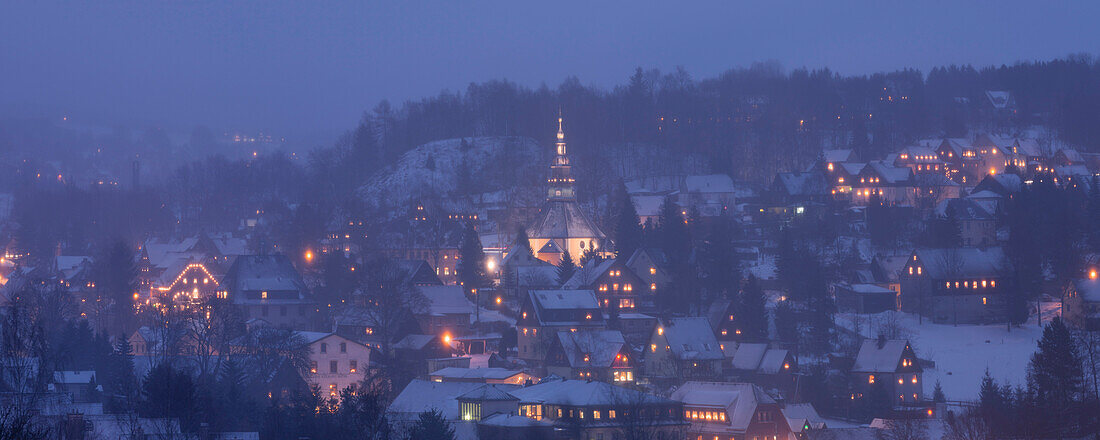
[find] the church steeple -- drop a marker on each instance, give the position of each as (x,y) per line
(561,175)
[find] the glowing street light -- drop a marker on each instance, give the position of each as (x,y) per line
(491,264)
(309,256)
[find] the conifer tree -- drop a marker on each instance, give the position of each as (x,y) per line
(432,426)
(937,393)
(786,324)
(566,267)
(753,312)
(522,243)
(1056,375)
(628,228)
(471,262)
(121,379)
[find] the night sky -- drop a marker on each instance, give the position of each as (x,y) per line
(312,67)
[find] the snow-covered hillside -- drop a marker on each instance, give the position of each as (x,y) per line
(433,168)
(961,353)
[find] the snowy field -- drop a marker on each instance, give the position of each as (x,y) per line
(961,353)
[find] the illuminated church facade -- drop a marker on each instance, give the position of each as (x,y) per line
(562,224)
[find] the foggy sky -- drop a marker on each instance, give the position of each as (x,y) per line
(293,67)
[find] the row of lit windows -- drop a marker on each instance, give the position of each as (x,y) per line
(970,284)
(709,416)
(871,379)
(622,376)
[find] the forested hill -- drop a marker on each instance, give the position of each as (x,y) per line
(751,122)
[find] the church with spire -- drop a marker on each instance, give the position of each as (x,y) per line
(562,224)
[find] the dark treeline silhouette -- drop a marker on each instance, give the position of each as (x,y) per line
(750,122)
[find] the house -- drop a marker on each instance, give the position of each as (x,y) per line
(268,287)
(418,272)
(977,227)
(892,185)
(886,270)
(651,265)
(683,348)
(1067,157)
(726,410)
(583,409)
(1029,156)
(763,365)
(81,385)
(799,188)
(192,284)
(481,375)
(990,201)
(803,418)
(635,327)
(335,362)
(616,285)
(1081,303)
(546,312)
(890,364)
(1004,185)
(955,285)
(920,159)
(447,313)
(865,298)
(422,395)
(591,355)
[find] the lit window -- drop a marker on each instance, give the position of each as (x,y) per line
(652,270)
(871,379)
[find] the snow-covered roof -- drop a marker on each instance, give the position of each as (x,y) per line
(565,299)
(853,168)
(565,307)
(758,358)
(1009,183)
(811,183)
(1028,147)
(446,300)
(263,272)
(691,338)
(890,173)
(739,400)
(799,415)
(601,346)
(587,274)
(485,393)
(873,358)
(985,194)
(490,373)
(964,262)
(711,183)
(647,206)
(582,393)
(963,209)
(1087,289)
(536,276)
(421,395)
(1072,155)
(867,288)
(1073,170)
(564,219)
(836,156)
(998,98)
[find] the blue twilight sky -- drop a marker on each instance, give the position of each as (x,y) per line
(314,66)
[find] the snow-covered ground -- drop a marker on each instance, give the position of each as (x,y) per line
(961,353)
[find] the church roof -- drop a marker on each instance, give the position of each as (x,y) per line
(564,219)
